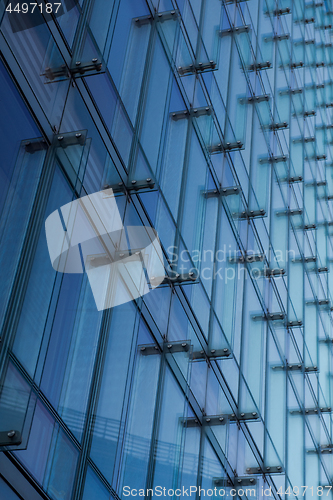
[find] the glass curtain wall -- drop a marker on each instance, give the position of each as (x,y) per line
(212,122)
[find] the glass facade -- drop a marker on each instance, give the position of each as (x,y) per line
(211,121)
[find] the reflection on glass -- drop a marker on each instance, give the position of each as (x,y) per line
(122,263)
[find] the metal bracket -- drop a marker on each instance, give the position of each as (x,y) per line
(311,411)
(178,279)
(289,212)
(193,112)
(238,30)
(272,273)
(118,255)
(190,422)
(326,446)
(309,226)
(312,452)
(237,481)
(174,347)
(291,180)
(289,367)
(79,68)
(290,91)
(232,146)
(247,258)
(141,21)
(244,416)
(324,449)
(265,470)
(52,74)
(305,259)
(295,65)
(295,324)
(281,12)
(269,317)
(149,349)
(309,369)
(35,145)
(298,178)
(234,1)
(260,66)
(278,126)
(216,148)
(258,98)
(250,214)
(213,354)
(325,302)
(70,139)
(132,186)
(273,159)
(223,148)
(285,36)
(310,113)
(212,420)
(168,348)
(170,15)
(197,68)
(321,302)
(215,193)
(8,438)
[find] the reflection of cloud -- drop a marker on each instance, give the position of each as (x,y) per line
(122,263)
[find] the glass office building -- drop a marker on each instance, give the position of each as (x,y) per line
(211,121)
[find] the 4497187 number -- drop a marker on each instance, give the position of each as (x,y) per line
(310,490)
(26,8)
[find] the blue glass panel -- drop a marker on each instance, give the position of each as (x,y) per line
(50,457)
(15,395)
(113,114)
(140,421)
(40,287)
(100,167)
(61,467)
(193,209)
(172,168)
(6,491)
(16,214)
(167,460)
(94,489)
(154,113)
(69,20)
(108,414)
(211,467)
(12,111)
(39,56)
(191,456)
